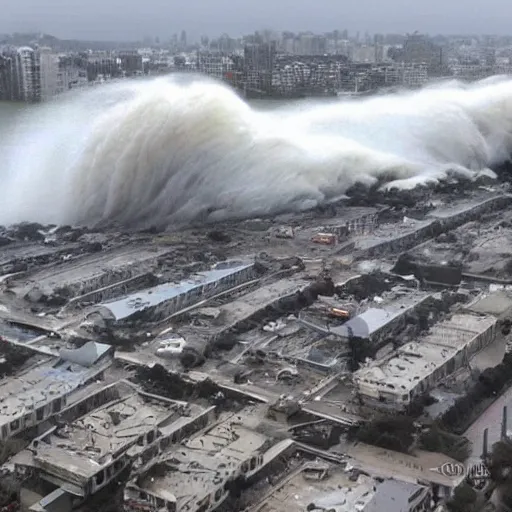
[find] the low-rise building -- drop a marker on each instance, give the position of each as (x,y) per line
(42,392)
(82,457)
(416,367)
(199,475)
(160,302)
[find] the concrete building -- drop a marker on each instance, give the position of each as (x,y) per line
(131,63)
(199,475)
(83,457)
(44,391)
(416,367)
(259,62)
(9,75)
(375,324)
(29,74)
(164,300)
(49,74)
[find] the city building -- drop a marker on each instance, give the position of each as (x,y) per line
(42,392)
(9,75)
(49,74)
(259,62)
(164,300)
(198,475)
(29,75)
(82,457)
(417,367)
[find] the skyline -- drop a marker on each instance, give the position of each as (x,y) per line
(113,20)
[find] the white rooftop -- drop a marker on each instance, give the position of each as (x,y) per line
(35,388)
(414,362)
(152,297)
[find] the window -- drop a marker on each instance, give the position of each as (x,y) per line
(245,467)
(160,503)
(57,406)
(118,464)
(15,425)
(218,495)
(151,437)
(100,478)
(40,414)
(140,441)
(253,463)
(5,432)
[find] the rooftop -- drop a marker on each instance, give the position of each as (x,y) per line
(396,496)
(334,491)
(372,320)
(78,271)
(415,361)
(151,297)
(94,440)
(196,469)
(36,387)
(497,303)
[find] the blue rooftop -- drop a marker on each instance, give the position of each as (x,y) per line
(156,295)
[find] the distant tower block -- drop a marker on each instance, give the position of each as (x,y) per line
(504,424)
(485,446)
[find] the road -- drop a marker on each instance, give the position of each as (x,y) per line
(490,419)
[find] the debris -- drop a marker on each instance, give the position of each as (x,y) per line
(284,232)
(324,239)
(219,236)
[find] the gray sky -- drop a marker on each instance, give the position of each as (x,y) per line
(133,19)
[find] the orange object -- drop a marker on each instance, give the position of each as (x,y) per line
(324,238)
(339,313)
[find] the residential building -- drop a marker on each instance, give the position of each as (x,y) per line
(29,74)
(49,74)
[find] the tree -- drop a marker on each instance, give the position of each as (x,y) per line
(463,500)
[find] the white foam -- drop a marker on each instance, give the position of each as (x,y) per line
(172,150)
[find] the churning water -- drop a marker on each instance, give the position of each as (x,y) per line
(174,150)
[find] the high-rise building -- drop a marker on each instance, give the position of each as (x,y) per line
(29,73)
(49,73)
(183,39)
(259,62)
(9,88)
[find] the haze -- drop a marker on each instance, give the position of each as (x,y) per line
(134,19)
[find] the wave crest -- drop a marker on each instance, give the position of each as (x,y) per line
(175,150)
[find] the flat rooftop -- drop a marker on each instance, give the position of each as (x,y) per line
(87,268)
(156,295)
(415,361)
(497,303)
(192,471)
(92,441)
(334,491)
(33,389)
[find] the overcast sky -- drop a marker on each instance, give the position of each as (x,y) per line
(134,19)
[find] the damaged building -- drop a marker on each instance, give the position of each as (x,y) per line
(199,475)
(162,301)
(418,366)
(232,385)
(42,392)
(82,457)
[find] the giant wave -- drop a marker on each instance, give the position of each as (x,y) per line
(170,151)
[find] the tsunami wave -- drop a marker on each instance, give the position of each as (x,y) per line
(171,151)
